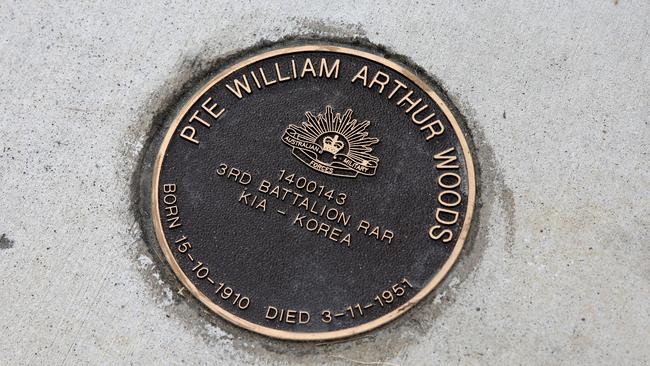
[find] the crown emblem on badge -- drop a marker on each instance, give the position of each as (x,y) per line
(333,143)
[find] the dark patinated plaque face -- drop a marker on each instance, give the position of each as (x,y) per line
(313,192)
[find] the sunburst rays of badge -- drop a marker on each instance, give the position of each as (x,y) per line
(354,132)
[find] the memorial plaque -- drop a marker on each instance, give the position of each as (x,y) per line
(313,192)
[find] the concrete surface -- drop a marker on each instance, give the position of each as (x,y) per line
(557,98)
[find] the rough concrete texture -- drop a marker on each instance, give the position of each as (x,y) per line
(556,95)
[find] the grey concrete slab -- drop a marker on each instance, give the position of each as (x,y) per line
(556,95)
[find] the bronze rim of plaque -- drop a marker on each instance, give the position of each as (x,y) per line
(328,130)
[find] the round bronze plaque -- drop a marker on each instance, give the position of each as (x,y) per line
(313,192)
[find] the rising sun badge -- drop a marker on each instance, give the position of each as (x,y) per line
(333,144)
